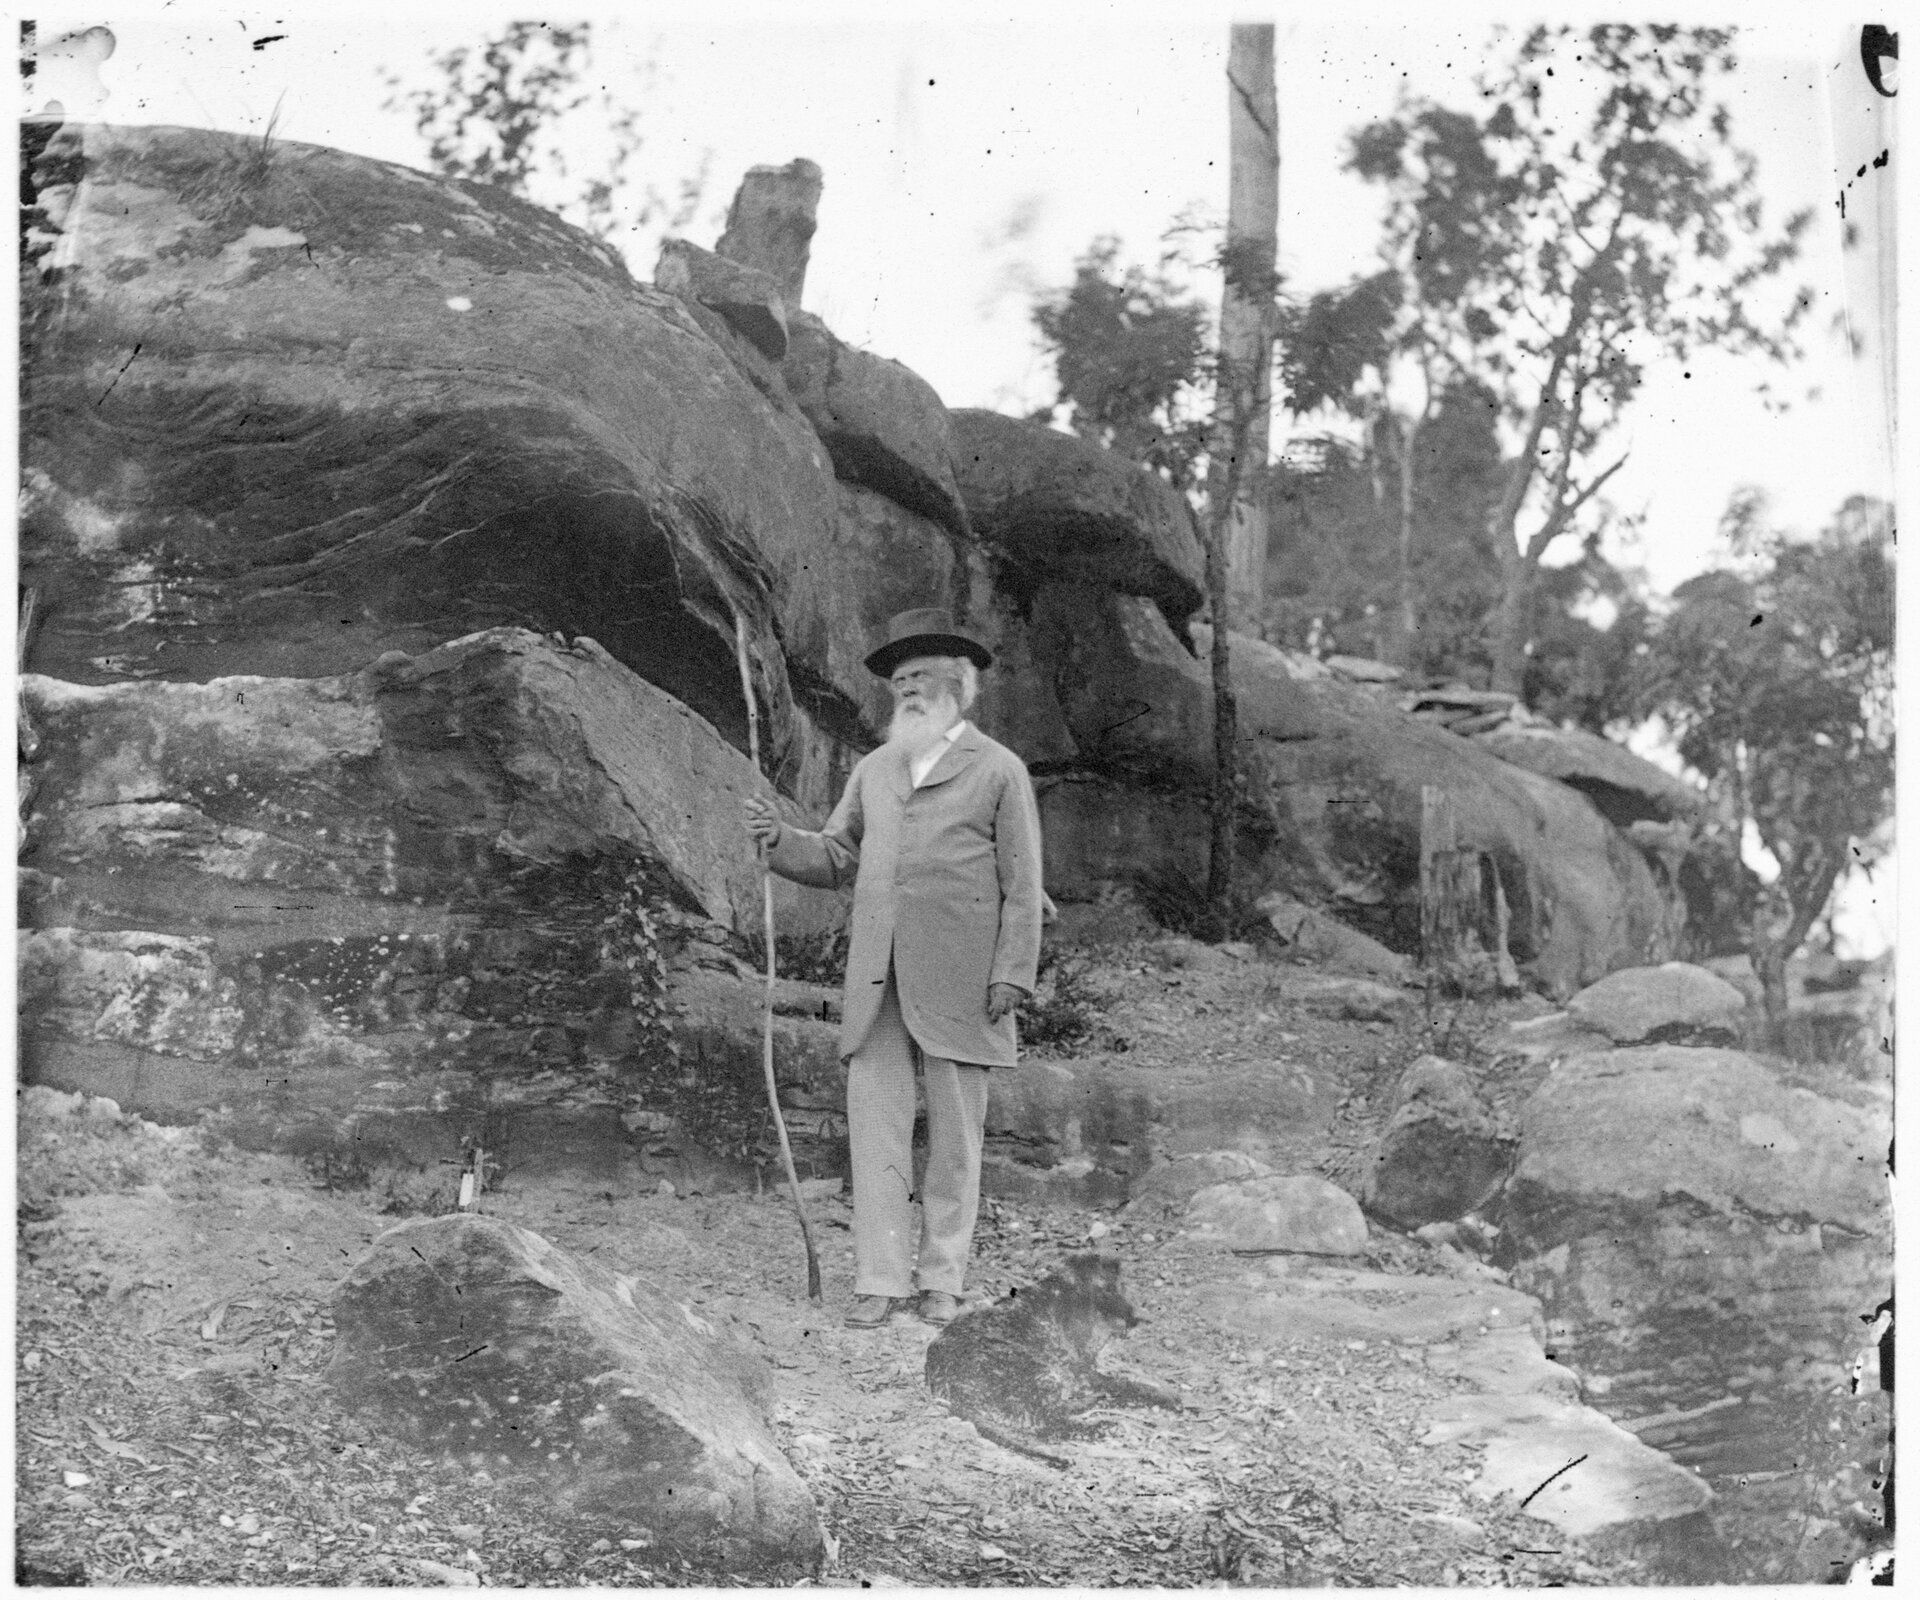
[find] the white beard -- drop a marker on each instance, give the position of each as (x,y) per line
(917,728)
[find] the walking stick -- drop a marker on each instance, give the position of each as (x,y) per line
(766,1022)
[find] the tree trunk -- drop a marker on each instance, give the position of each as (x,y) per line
(1245,397)
(1770,956)
(1408,621)
(1222,841)
(1510,622)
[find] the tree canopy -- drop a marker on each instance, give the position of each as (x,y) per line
(506,112)
(1775,673)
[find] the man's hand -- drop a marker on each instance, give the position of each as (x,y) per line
(1002,998)
(763,822)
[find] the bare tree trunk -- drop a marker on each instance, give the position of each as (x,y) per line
(1510,621)
(1246,309)
(1770,956)
(1408,622)
(1222,840)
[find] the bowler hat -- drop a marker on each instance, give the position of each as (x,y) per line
(927,632)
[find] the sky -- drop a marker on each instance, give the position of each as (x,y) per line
(971,153)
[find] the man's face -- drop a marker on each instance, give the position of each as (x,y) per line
(926,702)
(921,684)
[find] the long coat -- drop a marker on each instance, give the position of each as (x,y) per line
(946,887)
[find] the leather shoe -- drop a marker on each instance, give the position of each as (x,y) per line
(938,1307)
(869,1310)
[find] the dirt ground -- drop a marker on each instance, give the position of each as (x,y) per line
(175,1426)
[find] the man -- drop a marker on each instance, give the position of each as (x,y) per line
(940,836)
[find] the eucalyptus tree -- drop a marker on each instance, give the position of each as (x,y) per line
(1591,216)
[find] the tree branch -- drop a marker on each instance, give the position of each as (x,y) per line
(1562,514)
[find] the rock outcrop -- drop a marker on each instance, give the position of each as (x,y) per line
(1057,509)
(285,411)
(881,422)
(489,1346)
(1709,1235)
(297,424)
(1625,788)
(1675,1003)
(411,872)
(771,223)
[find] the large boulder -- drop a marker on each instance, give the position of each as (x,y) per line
(881,422)
(490,1347)
(1057,509)
(1674,1003)
(749,299)
(281,893)
(1709,1234)
(287,408)
(1301,1213)
(1625,787)
(1441,1154)
(1341,795)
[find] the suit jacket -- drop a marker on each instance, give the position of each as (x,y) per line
(946,887)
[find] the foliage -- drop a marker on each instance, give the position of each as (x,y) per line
(504,113)
(1596,215)
(1067,1014)
(1130,355)
(1778,683)
(630,943)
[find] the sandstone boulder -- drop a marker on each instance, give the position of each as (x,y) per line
(1058,509)
(1164,1190)
(1327,942)
(1672,1003)
(880,421)
(1441,1154)
(771,222)
(1624,787)
(1706,1231)
(489,1346)
(1342,797)
(404,877)
(749,299)
(374,410)
(1302,1213)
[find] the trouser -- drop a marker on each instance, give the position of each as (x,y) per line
(880,1111)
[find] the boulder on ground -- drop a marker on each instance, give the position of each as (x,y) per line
(1441,1154)
(1164,1190)
(489,1346)
(1326,941)
(748,298)
(376,410)
(1302,1213)
(771,222)
(1706,1232)
(1058,509)
(1675,1003)
(880,421)
(1625,787)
